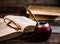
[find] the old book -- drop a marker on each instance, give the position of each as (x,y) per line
(44,17)
(13,26)
(44,12)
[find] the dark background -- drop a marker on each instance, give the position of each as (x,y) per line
(16,7)
(28,2)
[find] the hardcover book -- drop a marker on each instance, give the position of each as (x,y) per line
(44,12)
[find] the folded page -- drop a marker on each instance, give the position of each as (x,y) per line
(26,24)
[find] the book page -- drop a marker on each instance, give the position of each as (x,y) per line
(22,21)
(4,29)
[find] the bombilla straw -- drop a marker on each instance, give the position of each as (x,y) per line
(33,16)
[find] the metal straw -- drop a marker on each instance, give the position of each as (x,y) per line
(33,16)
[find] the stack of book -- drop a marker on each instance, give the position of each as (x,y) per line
(44,12)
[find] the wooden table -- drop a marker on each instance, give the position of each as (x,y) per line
(54,39)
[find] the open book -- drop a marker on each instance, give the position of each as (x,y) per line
(12,26)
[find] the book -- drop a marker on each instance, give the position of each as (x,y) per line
(44,17)
(44,12)
(55,29)
(18,25)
